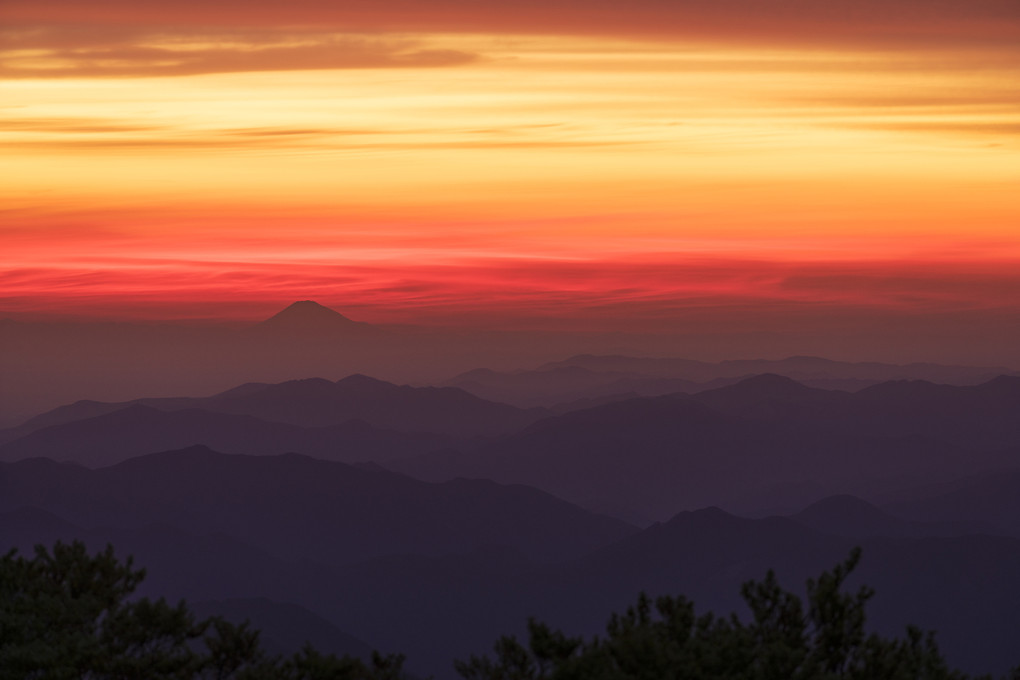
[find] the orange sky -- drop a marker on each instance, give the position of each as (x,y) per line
(455,162)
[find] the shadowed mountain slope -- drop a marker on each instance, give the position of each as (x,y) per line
(952,585)
(316,402)
(181,564)
(435,608)
(757,444)
(560,385)
(984,414)
(991,499)
(774,398)
(137,430)
(303,508)
(981,415)
(557,385)
(801,368)
(704,555)
(845,515)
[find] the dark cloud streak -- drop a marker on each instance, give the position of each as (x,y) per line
(60,51)
(898,23)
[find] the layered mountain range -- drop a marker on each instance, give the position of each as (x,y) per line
(430,518)
(462,590)
(46,364)
(760,444)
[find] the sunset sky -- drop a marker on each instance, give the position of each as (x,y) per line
(458,161)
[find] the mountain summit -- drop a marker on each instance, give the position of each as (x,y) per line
(307,316)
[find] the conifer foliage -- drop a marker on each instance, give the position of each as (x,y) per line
(69,615)
(782,640)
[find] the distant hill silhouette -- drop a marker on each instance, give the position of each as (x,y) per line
(641,459)
(806,369)
(845,515)
(85,409)
(316,402)
(598,377)
(302,508)
(760,443)
(774,398)
(764,442)
(982,416)
(556,386)
(991,499)
(309,318)
(139,429)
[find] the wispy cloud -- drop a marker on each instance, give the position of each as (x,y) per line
(888,22)
(647,289)
(60,51)
(978,127)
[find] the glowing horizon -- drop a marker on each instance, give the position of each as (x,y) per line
(445,168)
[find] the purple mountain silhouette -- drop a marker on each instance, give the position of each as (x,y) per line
(317,402)
(302,508)
(308,316)
(138,429)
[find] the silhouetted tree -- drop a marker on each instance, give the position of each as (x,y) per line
(783,640)
(69,615)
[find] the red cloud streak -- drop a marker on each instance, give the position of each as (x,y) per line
(885,22)
(642,292)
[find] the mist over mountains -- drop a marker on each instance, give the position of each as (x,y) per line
(361,511)
(316,402)
(765,442)
(46,364)
(599,377)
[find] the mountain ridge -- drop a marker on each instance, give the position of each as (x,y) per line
(296,506)
(308,316)
(319,402)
